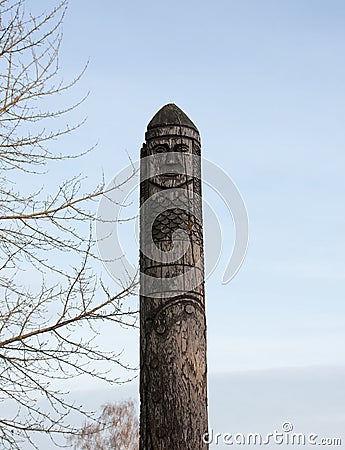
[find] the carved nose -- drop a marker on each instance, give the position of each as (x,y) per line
(171,159)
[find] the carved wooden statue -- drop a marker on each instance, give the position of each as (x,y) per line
(173,391)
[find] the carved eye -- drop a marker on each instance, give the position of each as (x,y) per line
(181,148)
(160,149)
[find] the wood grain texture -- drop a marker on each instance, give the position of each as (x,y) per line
(173,384)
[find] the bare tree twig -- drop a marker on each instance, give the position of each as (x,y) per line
(52,300)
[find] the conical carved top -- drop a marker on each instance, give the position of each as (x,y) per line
(170,115)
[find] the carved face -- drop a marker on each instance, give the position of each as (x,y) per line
(172,151)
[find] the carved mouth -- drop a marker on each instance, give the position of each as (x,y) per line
(171,174)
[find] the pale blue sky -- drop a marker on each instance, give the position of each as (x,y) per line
(264,82)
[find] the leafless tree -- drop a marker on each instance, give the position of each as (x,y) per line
(52,300)
(116,428)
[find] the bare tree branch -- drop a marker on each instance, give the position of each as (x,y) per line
(53,301)
(117,428)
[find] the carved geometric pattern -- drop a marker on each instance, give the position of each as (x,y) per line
(173,390)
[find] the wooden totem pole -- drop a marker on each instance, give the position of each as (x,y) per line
(173,387)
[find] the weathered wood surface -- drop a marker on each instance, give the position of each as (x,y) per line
(173,385)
